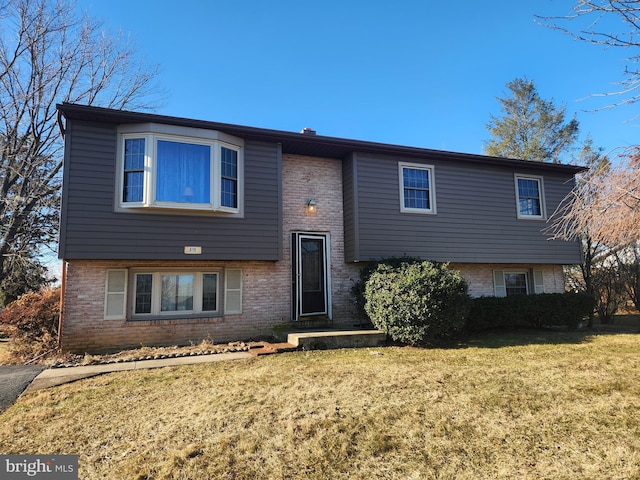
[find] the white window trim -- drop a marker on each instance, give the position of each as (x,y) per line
(543,209)
(432,188)
(154,132)
(108,292)
(156,294)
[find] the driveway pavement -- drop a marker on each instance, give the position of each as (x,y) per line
(14,379)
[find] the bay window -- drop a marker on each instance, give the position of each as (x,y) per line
(160,170)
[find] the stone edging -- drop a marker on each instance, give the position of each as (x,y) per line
(157,356)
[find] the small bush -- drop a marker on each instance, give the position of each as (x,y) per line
(31,323)
(543,310)
(417,303)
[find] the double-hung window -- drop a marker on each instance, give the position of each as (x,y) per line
(160,170)
(523,282)
(529,197)
(516,283)
(417,190)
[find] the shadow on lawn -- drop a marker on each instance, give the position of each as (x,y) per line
(528,336)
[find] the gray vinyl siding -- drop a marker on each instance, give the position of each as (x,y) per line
(349,176)
(92,229)
(476,218)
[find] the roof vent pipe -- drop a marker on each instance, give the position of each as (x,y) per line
(308,131)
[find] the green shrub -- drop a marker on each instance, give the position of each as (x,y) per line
(358,289)
(417,302)
(32,323)
(543,310)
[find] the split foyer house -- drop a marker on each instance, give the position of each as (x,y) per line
(176,230)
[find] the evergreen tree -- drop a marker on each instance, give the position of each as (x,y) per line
(530,128)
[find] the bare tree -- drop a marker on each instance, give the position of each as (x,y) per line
(603,213)
(629,264)
(50,54)
(605,204)
(573,221)
(608,23)
(617,215)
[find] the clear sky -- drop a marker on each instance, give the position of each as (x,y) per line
(419,73)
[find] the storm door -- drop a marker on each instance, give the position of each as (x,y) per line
(310,277)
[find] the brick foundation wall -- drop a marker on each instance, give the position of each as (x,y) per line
(86,330)
(480,276)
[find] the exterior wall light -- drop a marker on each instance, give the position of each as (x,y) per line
(311,207)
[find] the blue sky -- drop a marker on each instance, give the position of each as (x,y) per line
(420,73)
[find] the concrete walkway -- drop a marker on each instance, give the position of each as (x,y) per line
(58,376)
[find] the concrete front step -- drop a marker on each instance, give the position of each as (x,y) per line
(337,339)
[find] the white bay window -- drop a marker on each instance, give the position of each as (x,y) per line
(199,171)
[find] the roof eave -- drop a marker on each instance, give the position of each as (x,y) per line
(303,144)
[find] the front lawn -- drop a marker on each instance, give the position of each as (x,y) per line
(560,405)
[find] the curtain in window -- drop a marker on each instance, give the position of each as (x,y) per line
(183,172)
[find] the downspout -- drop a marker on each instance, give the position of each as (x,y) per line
(63,287)
(61,124)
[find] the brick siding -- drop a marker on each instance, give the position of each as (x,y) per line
(480,276)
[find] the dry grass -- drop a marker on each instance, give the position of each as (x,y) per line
(527,406)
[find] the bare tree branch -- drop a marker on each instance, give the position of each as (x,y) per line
(50,54)
(605,204)
(607,23)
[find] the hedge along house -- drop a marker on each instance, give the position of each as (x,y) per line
(176,230)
